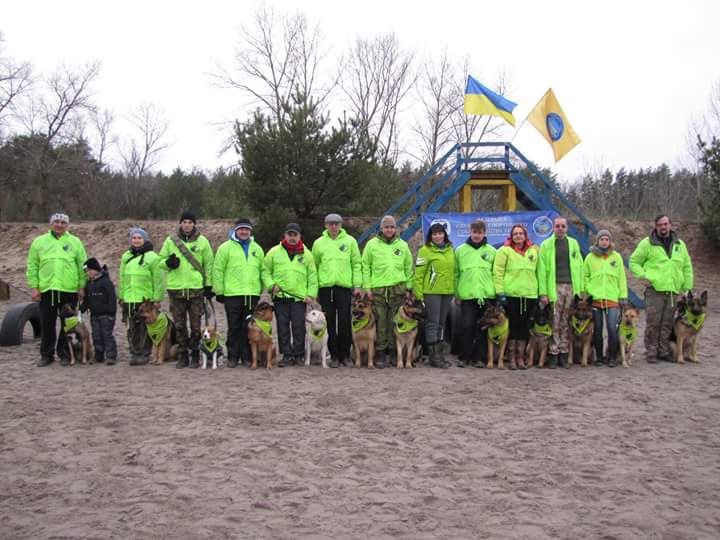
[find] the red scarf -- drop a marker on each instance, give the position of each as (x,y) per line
(522,249)
(297,249)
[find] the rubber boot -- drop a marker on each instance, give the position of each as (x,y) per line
(182,361)
(521,344)
(441,355)
(99,357)
(563,360)
(598,355)
(512,345)
(435,359)
(195,359)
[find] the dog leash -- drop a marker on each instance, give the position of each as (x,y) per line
(209,309)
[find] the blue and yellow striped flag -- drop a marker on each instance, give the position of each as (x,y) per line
(479,99)
(550,120)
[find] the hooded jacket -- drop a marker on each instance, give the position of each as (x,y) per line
(100,296)
(56,263)
(434,270)
(185,276)
(386,264)
(140,277)
(514,273)
(604,275)
(337,260)
(474,272)
(236,273)
(672,274)
(546,267)
(296,276)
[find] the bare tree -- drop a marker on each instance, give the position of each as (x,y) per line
(102,121)
(376,78)
(15,80)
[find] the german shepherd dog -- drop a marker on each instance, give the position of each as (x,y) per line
(581,329)
(260,334)
(496,322)
(540,334)
(77,335)
(628,334)
(407,319)
(364,332)
(161,330)
(689,320)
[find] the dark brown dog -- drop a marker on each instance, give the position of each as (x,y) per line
(628,334)
(540,334)
(496,322)
(164,343)
(406,331)
(581,329)
(689,320)
(260,334)
(77,336)
(364,332)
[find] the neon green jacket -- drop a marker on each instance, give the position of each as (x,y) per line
(666,274)
(297,278)
(546,268)
(434,271)
(56,264)
(185,276)
(338,261)
(474,272)
(515,274)
(604,276)
(386,264)
(237,274)
(138,282)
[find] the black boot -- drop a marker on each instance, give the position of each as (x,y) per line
(182,361)
(563,360)
(380,360)
(232,362)
(99,357)
(434,359)
(45,361)
(598,355)
(110,361)
(195,359)
(552,361)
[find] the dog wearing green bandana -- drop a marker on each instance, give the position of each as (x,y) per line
(316,336)
(260,334)
(161,330)
(77,336)
(496,323)
(627,333)
(406,320)
(540,334)
(581,329)
(689,320)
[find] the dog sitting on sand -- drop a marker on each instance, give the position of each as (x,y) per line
(210,348)
(689,321)
(316,336)
(406,322)
(364,331)
(77,335)
(627,333)
(581,329)
(260,334)
(540,334)
(161,330)
(496,323)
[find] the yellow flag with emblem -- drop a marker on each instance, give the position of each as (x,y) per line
(550,120)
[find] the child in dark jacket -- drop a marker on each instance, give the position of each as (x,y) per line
(100,299)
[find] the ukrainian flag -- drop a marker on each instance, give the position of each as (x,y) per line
(550,120)
(479,99)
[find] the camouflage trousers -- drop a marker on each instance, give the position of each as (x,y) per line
(386,302)
(183,305)
(560,342)
(660,308)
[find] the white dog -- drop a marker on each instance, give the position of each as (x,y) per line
(316,336)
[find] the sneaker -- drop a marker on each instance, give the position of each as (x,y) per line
(45,361)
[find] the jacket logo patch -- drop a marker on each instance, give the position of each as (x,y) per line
(397,252)
(613,263)
(66,247)
(575,254)
(300,259)
(192,248)
(531,257)
(253,253)
(343,247)
(484,256)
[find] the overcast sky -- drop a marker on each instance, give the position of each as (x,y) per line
(630,75)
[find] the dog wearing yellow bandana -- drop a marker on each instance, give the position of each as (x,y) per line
(581,329)
(627,333)
(260,335)
(161,330)
(316,335)
(496,323)
(77,335)
(540,334)
(406,320)
(689,320)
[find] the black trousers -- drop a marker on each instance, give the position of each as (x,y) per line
(518,311)
(335,302)
(474,340)
(50,304)
(290,315)
(237,309)
(102,334)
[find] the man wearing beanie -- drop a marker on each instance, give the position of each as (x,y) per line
(188,258)
(559,275)
(387,267)
(238,273)
(339,269)
(662,261)
(55,277)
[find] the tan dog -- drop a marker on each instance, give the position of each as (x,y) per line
(260,334)
(581,329)
(495,321)
(161,330)
(628,334)
(540,334)
(406,331)
(364,332)
(77,335)
(689,320)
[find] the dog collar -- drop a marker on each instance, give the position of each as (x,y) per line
(265,326)
(628,331)
(694,321)
(404,325)
(317,335)
(578,326)
(157,330)
(359,324)
(498,332)
(543,329)
(70,324)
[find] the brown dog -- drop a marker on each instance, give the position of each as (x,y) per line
(540,334)
(689,320)
(581,329)
(260,334)
(77,335)
(364,332)
(406,331)
(161,330)
(628,334)
(496,322)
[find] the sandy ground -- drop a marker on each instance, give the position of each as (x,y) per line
(113,452)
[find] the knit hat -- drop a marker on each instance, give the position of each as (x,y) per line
(59,216)
(92,264)
(243,223)
(293,227)
(333,218)
(601,233)
(388,221)
(187,214)
(140,232)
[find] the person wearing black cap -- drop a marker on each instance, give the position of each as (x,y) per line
(188,259)
(101,301)
(292,280)
(238,273)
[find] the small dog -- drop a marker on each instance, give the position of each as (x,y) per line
(406,331)
(689,320)
(495,321)
(260,334)
(316,336)
(581,329)
(364,331)
(627,334)
(161,330)
(540,334)
(77,335)
(210,348)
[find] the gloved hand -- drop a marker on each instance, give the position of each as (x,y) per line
(220,298)
(172,261)
(208,293)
